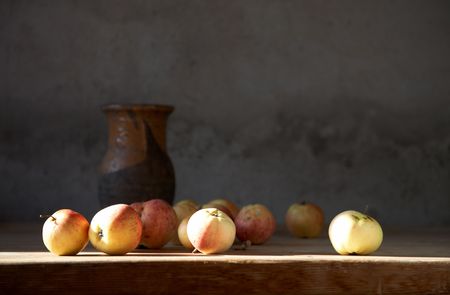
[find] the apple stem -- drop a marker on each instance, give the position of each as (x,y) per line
(100,234)
(215,213)
(47,216)
(366,209)
(303,202)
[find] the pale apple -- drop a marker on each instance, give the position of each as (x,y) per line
(352,232)
(304,220)
(65,232)
(116,230)
(159,223)
(211,231)
(231,206)
(183,209)
(255,223)
(183,236)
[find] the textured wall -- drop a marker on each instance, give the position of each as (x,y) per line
(344,103)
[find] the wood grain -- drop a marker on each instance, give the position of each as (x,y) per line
(409,262)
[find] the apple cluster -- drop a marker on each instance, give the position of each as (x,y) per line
(211,228)
(218,224)
(121,228)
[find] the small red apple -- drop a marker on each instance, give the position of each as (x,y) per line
(159,223)
(304,220)
(255,223)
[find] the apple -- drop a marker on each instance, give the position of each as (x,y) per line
(138,207)
(186,203)
(65,232)
(183,209)
(211,231)
(232,207)
(159,223)
(352,232)
(116,229)
(255,223)
(183,236)
(304,220)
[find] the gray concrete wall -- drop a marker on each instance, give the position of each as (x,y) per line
(343,103)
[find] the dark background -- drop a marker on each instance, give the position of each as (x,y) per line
(342,103)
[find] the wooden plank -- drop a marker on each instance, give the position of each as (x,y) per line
(191,277)
(409,262)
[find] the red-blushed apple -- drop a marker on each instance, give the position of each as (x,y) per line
(304,220)
(255,223)
(182,234)
(183,209)
(352,232)
(220,207)
(160,223)
(231,206)
(115,230)
(65,232)
(211,231)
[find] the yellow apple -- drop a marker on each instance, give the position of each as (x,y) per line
(116,230)
(352,232)
(65,232)
(187,203)
(211,231)
(183,209)
(304,220)
(183,236)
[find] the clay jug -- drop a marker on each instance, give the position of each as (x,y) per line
(136,166)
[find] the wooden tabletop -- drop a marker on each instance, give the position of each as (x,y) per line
(410,261)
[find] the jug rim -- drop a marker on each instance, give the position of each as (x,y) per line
(137,107)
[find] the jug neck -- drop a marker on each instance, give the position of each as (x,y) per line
(127,125)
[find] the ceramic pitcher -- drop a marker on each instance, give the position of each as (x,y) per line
(136,166)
